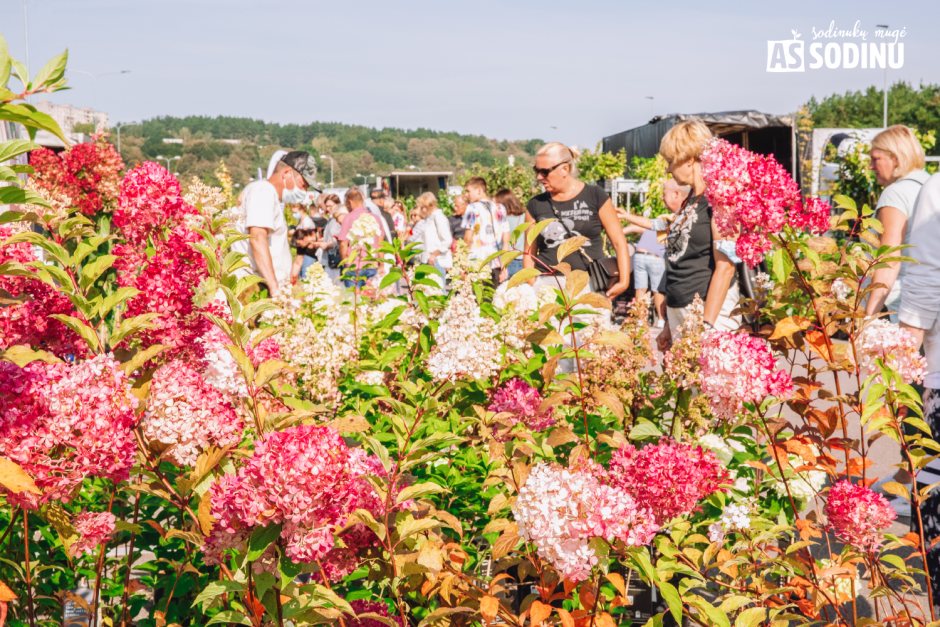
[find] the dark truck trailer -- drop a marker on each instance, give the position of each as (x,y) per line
(758,132)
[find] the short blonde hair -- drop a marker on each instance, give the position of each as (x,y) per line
(899,142)
(427,201)
(560,152)
(684,141)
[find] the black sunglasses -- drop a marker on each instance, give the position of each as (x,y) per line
(546,171)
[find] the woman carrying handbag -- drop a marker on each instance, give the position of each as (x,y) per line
(578,209)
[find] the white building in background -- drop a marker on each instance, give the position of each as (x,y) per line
(68,116)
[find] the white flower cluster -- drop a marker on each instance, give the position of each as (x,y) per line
(466,342)
(516,305)
(840,289)
(723,449)
(364,230)
(843,583)
(410,319)
(804,485)
(220,370)
(762,280)
(321,292)
(733,518)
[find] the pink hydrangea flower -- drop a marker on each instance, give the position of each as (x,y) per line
(562,509)
(754,197)
(187,413)
(62,423)
(522,401)
(94,530)
(150,203)
(305,479)
(896,347)
(858,515)
(669,478)
(738,368)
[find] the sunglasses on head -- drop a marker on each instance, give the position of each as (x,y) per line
(546,171)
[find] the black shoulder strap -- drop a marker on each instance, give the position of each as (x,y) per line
(567,230)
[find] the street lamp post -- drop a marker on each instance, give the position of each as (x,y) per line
(118,127)
(26,25)
(331,168)
(95,78)
(168,160)
(885,26)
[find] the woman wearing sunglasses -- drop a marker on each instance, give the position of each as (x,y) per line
(578,209)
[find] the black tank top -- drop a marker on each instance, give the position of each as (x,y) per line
(690,257)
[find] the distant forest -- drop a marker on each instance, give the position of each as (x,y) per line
(357,151)
(918,108)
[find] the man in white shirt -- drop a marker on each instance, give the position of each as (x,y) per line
(267,248)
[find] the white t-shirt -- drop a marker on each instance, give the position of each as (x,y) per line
(902,195)
(261,206)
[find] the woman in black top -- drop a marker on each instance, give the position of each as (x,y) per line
(694,264)
(584,209)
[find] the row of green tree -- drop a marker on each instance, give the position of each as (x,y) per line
(357,151)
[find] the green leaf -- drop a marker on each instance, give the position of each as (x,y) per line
(15,147)
(113,300)
(92,271)
(230,616)
(4,63)
(17,196)
(411,526)
(418,490)
(31,119)
(141,358)
(751,617)
(390,278)
(380,451)
(217,588)
(522,276)
(261,538)
(132,325)
(52,72)
(671,595)
(84,331)
(534,231)
(644,429)
(22,355)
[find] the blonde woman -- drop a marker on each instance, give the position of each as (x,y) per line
(698,261)
(578,209)
(897,159)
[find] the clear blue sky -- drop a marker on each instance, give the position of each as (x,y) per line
(505,69)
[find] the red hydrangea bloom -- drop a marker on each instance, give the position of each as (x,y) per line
(304,478)
(93,529)
(88,173)
(522,401)
(29,323)
(738,368)
(62,423)
(362,606)
(150,203)
(753,196)
(185,412)
(812,215)
(669,478)
(167,282)
(858,515)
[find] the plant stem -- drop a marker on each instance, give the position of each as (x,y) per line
(16,512)
(94,619)
(130,557)
(29,576)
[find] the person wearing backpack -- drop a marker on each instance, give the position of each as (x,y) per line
(487,230)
